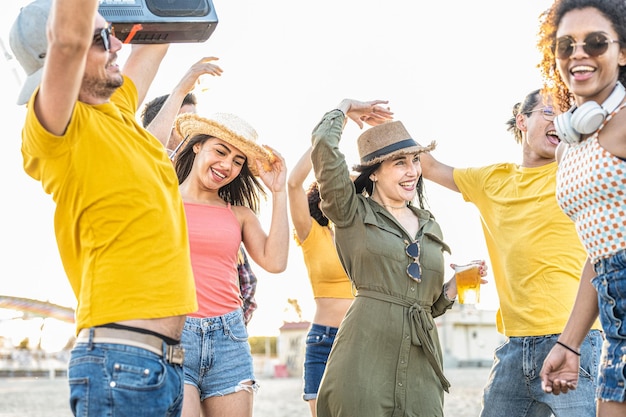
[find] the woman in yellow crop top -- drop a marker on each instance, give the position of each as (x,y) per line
(331,286)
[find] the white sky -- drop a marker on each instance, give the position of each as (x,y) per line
(451,71)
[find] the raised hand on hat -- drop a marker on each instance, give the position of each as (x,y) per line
(371,112)
(275,176)
(272,254)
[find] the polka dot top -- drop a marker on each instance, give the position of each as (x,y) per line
(591,190)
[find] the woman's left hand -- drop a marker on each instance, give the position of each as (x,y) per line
(275,179)
(450,287)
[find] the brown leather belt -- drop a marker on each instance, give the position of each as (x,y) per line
(174,354)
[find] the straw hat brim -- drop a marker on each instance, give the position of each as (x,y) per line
(408,150)
(190,125)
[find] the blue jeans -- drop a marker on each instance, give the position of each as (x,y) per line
(514,386)
(319,340)
(119,380)
(217,355)
(610,283)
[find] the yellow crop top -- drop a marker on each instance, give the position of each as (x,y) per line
(326,274)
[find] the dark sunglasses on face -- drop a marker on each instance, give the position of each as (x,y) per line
(414,270)
(104,35)
(595,44)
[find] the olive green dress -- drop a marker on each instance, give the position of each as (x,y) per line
(386,359)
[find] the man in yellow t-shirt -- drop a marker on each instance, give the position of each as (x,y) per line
(537,261)
(119,219)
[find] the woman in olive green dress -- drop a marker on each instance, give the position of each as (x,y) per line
(386,360)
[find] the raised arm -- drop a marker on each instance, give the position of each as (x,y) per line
(438,172)
(269,251)
(298,201)
(70,33)
(161,125)
(142,66)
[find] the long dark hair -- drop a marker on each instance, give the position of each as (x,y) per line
(244,190)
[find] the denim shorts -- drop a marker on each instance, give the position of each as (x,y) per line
(113,379)
(319,340)
(610,283)
(217,355)
(514,386)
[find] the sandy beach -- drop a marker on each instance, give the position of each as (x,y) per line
(277,397)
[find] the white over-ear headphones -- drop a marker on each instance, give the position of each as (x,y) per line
(587,118)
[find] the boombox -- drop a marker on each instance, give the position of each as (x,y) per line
(160,21)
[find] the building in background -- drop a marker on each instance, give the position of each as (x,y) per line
(468,338)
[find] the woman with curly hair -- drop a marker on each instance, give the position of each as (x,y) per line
(584,56)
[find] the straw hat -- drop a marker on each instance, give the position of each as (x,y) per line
(231,129)
(388,139)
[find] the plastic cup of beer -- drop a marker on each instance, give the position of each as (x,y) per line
(468,283)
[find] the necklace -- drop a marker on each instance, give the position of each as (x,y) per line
(394,207)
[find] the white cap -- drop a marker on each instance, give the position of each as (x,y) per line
(29,43)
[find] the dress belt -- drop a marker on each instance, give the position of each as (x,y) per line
(421,323)
(174,354)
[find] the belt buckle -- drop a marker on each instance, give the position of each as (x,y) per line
(175,354)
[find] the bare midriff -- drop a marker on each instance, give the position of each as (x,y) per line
(171,327)
(331,311)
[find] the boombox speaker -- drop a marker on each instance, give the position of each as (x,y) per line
(160,21)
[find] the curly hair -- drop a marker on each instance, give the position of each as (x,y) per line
(613,10)
(529,103)
(244,190)
(313,196)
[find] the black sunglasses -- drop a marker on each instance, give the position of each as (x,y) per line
(414,270)
(595,44)
(104,35)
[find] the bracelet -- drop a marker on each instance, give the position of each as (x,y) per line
(568,348)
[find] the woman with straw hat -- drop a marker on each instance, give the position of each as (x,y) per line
(386,360)
(217,170)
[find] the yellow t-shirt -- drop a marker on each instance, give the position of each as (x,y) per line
(119,219)
(535,253)
(327,276)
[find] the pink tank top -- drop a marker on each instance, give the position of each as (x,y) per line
(214,240)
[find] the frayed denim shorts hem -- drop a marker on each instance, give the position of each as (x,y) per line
(218,360)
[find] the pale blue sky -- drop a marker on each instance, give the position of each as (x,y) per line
(451,70)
